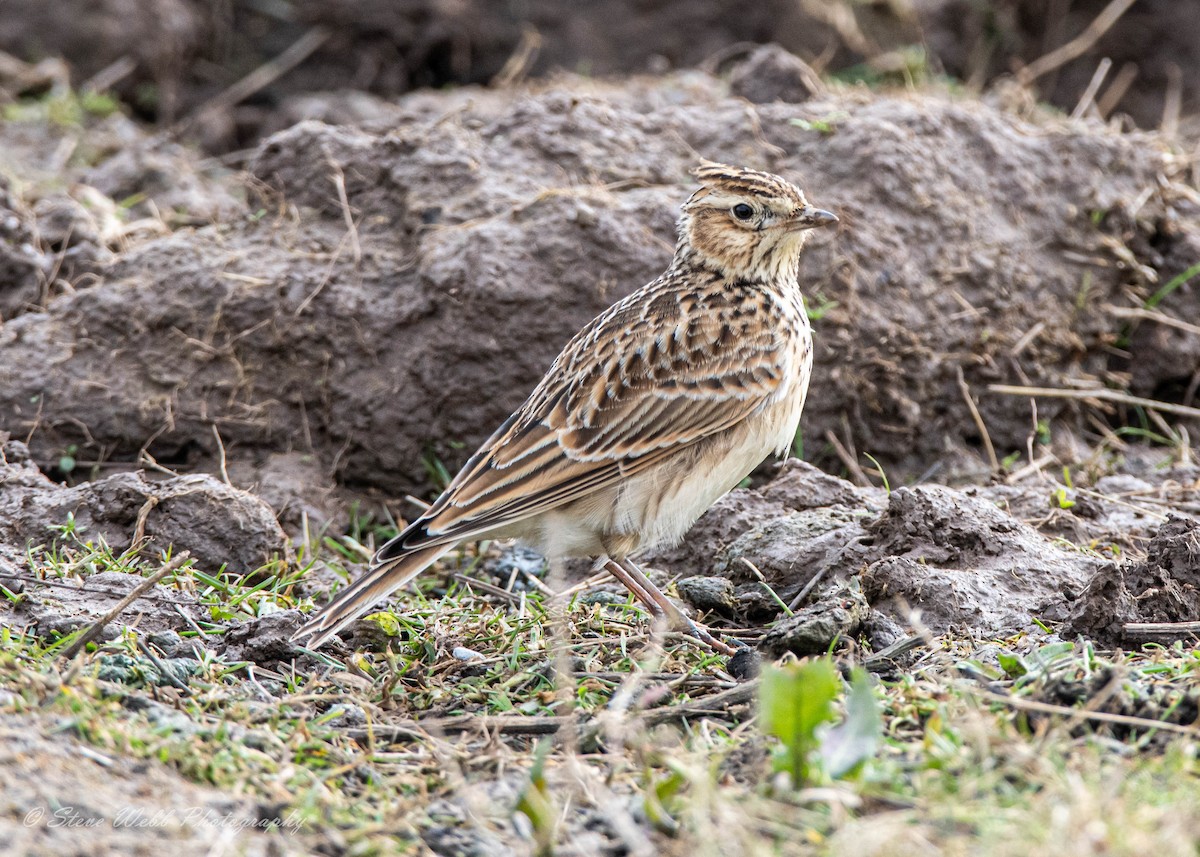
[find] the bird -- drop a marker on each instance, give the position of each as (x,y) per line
(655,409)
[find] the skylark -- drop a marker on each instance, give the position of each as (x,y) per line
(660,405)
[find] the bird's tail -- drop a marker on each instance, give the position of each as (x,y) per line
(377,583)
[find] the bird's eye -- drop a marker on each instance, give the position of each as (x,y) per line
(742,211)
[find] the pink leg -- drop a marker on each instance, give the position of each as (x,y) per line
(635,580)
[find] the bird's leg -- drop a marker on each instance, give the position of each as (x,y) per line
(630,583)
(636,581)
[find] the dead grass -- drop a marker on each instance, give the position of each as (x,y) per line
(348,746)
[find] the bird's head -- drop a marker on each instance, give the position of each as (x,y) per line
(747,224)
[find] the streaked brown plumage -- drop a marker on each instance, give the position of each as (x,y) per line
(655,409)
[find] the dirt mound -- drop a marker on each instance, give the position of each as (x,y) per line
(489,227)
(968,565)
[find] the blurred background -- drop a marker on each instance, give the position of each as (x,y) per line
(236,69)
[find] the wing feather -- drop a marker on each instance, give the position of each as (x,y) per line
(626,392)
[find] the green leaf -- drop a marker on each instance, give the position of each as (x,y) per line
(386,622)
(1174,283)
(1012,664)
(659,801)
(1063,500)
(845,747)
(1052,652)
(537,804)
(794,701)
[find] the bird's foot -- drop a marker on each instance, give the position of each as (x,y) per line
(698,631)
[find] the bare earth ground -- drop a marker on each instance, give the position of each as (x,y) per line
(243,366)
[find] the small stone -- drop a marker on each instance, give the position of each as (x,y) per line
(345,714)
(770,74)
(810,631)
(744,664)
(602,596)
(168,642)
(707,593)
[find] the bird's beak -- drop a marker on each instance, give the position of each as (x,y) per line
(812,218)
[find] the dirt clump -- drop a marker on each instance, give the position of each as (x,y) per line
(1114,691)
(966,564)
(223,528)
(839,615)
(956,557)
(1163,587)
(771,73)
(219,525)
(55,608)
(264,640)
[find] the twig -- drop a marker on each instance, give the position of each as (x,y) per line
(1155,629)
(532,724)
(536,581)
(339,182)
(1078,46)
(979,424)
(94,631)
(1172,101)
(1029,469)
(1152,315)
(1102,393)
(884,657)
(92,590)
(486,587)
(110,75)
(139,528)
(763,581)
(186,618)
(535,724)
(808,587)
(1117,89)
(221,449)
(717,703)
(1108,498)
(337,254)
(163,672)
(847,459)
(1089,94)
(261,77)
(585,584)
(517,66)
(1084,714)
(1027,338)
